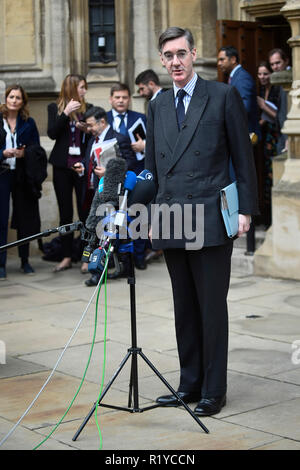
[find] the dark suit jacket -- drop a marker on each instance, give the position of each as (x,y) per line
(132,117)
(191,166)
(244,83)
(58,130)
(27,134)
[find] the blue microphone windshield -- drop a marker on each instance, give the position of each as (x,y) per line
(130,180)
(145,175)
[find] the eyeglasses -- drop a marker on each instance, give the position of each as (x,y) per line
(181,55)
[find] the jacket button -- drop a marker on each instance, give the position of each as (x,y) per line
(162,155)
(169,175)
(191,175)
(197,152)
(168,197)
(190,196)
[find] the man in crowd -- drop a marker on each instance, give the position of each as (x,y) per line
(279,61)
(148,84)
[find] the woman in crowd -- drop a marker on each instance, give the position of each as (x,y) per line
(20,142)
(268,101)
(65,126)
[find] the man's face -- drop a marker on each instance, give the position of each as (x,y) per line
(145,90)
(95,127)
(178,59)
(226,64)
(277,63)
(120,101)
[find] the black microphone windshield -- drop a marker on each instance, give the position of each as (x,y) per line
(115,173)
(143,192)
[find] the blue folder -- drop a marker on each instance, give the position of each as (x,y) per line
(230,209)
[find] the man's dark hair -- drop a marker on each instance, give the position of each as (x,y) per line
(96,112)
(175,32)
(147,76)
(119,87)
(279,51)
(230,51)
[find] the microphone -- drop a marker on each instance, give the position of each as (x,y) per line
(112,182)
(129,184)
(145,175)
(143,193)
(144,190)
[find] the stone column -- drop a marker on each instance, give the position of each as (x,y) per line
(279,256)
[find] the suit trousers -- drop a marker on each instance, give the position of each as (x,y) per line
(200,282)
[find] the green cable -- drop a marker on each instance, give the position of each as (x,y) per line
(88,363)
(104,362)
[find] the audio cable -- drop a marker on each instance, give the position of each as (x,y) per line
(97,289)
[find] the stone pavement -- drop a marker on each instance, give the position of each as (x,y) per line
(39,313)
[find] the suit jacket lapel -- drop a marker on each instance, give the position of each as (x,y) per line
(193,116)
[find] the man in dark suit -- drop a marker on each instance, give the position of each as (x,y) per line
(228,62)
(89,168)
(193,129)
(148,84)
(121,118)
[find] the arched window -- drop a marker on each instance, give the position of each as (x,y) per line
(102,31)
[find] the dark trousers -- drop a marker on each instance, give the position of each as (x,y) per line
(6,186)
(65,181)
(200,282)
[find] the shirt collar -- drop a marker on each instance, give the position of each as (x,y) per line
(189,87)
(116,114)
(234,70)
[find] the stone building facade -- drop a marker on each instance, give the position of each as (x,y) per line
(113,40)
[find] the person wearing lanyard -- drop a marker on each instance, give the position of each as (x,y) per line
(19,131)
(66,127)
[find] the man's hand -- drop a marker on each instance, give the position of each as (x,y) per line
(244,224)
(99,171)
(139,145)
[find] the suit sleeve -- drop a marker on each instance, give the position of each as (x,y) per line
(150,142)
(241,152)
(56,122)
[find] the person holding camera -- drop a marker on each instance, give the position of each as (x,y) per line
(20,153)
(66,127)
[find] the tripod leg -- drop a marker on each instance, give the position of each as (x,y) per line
(102,395)
(173,392)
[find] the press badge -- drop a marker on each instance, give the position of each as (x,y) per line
(74,150)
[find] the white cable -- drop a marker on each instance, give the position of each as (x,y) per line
(58,361)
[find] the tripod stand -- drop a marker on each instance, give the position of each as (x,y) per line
(133,352)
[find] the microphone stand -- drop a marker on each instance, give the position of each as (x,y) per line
(62,230)
(133,352)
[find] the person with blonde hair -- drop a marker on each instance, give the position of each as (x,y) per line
(66,127)
(20,153)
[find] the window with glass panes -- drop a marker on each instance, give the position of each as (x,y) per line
(102,30)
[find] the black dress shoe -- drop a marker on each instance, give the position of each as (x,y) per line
(140,264)
(210,406)
(92,281)
(171,400)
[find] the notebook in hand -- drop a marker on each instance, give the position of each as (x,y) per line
(230,209)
